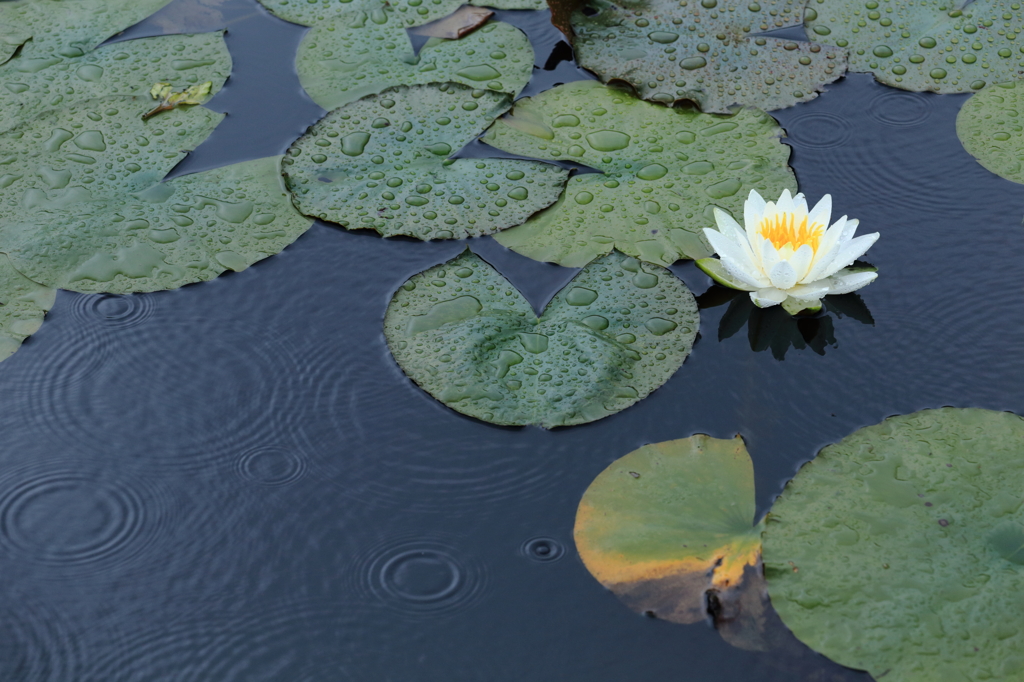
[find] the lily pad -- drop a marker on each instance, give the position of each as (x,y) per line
(58,26)
(383,163)
(355,54)
(11,38)
(615,333)
(459,23)
(31,85)
(412,12)
(82,206)
(898,549)
(928,45)
(989,128)
(23,303)
(705,52)
(662,171)
(669,529)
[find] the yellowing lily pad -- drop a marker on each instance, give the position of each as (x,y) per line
(350,55)
(614,334)
(412,12)
(23,304)
(37,81)
(383,163)
(662,172)
(82,206)
(669,528)
(928,45)
(898,549)
(705,52)
(989,128)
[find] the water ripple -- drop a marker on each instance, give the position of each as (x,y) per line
(820,131)
(271,466)
(542,549)
(900,108)
(112,311)
(36,644)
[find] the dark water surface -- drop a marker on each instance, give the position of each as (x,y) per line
(234,481)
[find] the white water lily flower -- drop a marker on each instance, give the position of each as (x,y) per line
(787,254)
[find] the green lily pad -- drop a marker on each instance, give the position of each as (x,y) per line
(23,303)
(705,52)
(11,38)
(355,54)
(82,206)
(58,26)
(615,333)
(990,131)
(662,171)
(412,12)
(383,163)
(898,549)
(929,45)
(31,85)
(670,527)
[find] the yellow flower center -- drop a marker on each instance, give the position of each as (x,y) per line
(783,230)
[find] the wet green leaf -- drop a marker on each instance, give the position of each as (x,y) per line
(662,172)
(31,85)
(82,206)
(11,38)
(615,333)
(59,26)
(897,550)
(928,45)
(354,54)
(23,303)
(412,12)
(705,52)
(670,527)
(989,128)
(459,23)
(383,163)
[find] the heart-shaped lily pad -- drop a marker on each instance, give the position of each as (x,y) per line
(990,129)
(898,549)
(412,12)
(35,82)
(82,206)
(23,303)
(704,52)
(663,170)
(669,528)
(925,45)
(359,53)
(615,333)
(62,25)
(383,163)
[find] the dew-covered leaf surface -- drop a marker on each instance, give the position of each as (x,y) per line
(383,163)
(930,45)
(82,206)
(23,303)
(11,38)
(990,129)
(704,52)
(35,82)
(898,549)
(457,24)
(58,26)
(412,12)
(357,53)
(615,333)
(662,171)
(670,526)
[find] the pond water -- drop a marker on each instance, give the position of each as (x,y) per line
(235,481)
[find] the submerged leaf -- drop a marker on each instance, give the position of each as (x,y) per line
(383,163)
(923,45)
(705,52)
(122,230)
(352,55)
(457,24)
(989,127)
(663,170)
(34,85)
(412,12)
(897,550)
(614,334)
(669,528)
(23,303)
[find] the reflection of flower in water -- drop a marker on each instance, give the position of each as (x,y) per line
(776,329)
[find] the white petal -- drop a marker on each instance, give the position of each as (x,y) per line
(798,305)
(769,254)
(728,226)
(766,298)
(753,210)
(783,276)
(849,252)
(849,229)
(735,259)
(845,283)
(800,204)
(827,249)
(785,202)
(801,261)
(811,291)
(822,211)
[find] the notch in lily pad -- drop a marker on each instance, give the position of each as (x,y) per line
(613,335)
